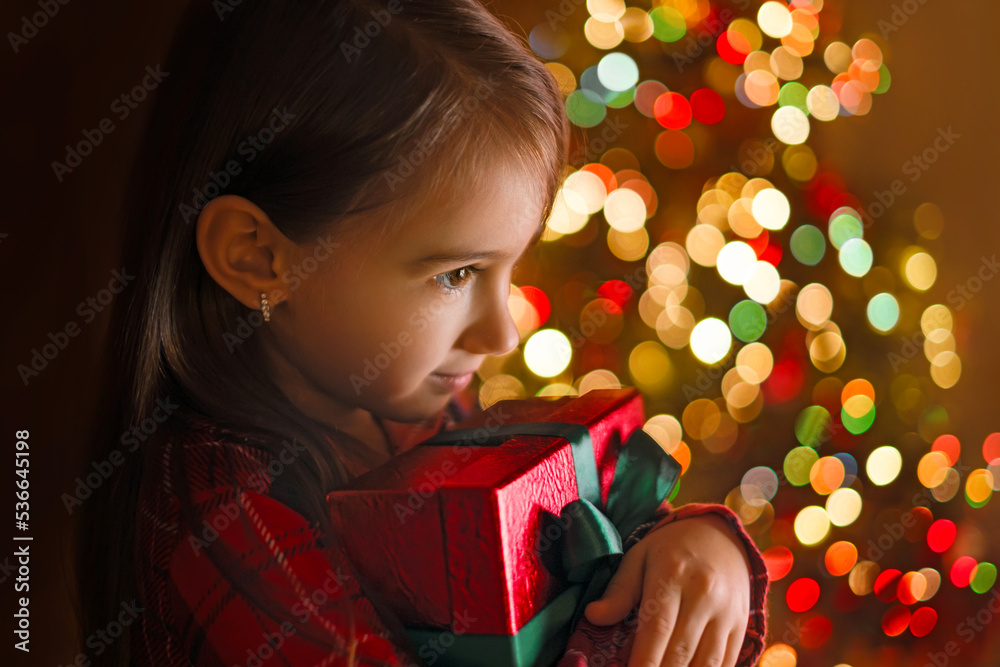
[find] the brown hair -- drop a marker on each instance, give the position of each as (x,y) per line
(377,92)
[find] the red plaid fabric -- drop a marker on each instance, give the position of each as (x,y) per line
(195,615)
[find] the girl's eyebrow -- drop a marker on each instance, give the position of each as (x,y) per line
(467,255)
(457,256)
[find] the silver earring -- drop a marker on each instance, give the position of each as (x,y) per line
(265,307)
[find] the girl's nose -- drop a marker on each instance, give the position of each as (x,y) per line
(493,330)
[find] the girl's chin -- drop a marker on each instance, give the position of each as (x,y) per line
(417,409)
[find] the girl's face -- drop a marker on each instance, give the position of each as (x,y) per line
(395,325)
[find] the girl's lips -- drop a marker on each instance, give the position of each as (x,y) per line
(452,382)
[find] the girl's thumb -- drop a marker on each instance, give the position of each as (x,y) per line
(621,595)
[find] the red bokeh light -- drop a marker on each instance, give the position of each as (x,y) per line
(707,106)
(961,571)
(803,594)
(923,621)
(672,111)
(886,584)
(539,301)
(941,535)
(779,562)
(895,621)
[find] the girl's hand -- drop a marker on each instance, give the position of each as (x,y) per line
(693,579)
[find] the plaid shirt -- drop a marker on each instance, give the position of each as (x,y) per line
(196,615)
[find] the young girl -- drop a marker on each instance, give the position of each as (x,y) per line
(325,217)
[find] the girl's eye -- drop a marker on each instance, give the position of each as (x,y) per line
(457,278)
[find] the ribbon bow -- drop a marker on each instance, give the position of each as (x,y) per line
(592,539)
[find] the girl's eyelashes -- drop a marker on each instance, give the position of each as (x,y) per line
(456,279)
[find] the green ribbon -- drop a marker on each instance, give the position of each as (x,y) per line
(593,534)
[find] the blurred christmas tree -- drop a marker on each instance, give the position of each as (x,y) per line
(700,250)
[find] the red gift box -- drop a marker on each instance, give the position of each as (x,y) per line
(457,531)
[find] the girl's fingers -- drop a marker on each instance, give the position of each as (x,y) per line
(657,619)
(687,635)
(621,594)
(713,648)
(733,647)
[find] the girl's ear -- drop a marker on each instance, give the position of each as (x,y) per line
(242,250)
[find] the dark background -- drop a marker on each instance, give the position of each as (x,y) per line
(61,245)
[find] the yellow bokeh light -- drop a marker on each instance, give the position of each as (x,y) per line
(786,63)
(701,418)
(774,19)
(650,367)
(936,317)
(837,57)
(761,86)
(920,271)
(567,216)
(666,430)
(844,506)
(703,244)
(500,388)
(799,162)
(771,209)
(603,34)
(946,369)
(812,525)
(814,306)
(557,389)
(736,262)
(637,24)
(778,655)
(790,125)
(564,77)
(932,469)
(928,220)
(628,246)
(883,465)
(590,188)
(711,340)
(754,362)
(547,353)
(606,10)
(764,283)
(823,103)
(625,210)
(598,379)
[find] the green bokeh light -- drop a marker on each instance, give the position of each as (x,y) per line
(585,108)
(617,72)
(986,576)
(668,24)
(793,94)
(811,424)
(798,463)
(856,257)
(858,425)
(748,320)
(843,228)
(808,245)
(883,311)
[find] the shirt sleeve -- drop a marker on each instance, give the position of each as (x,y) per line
(292,603)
